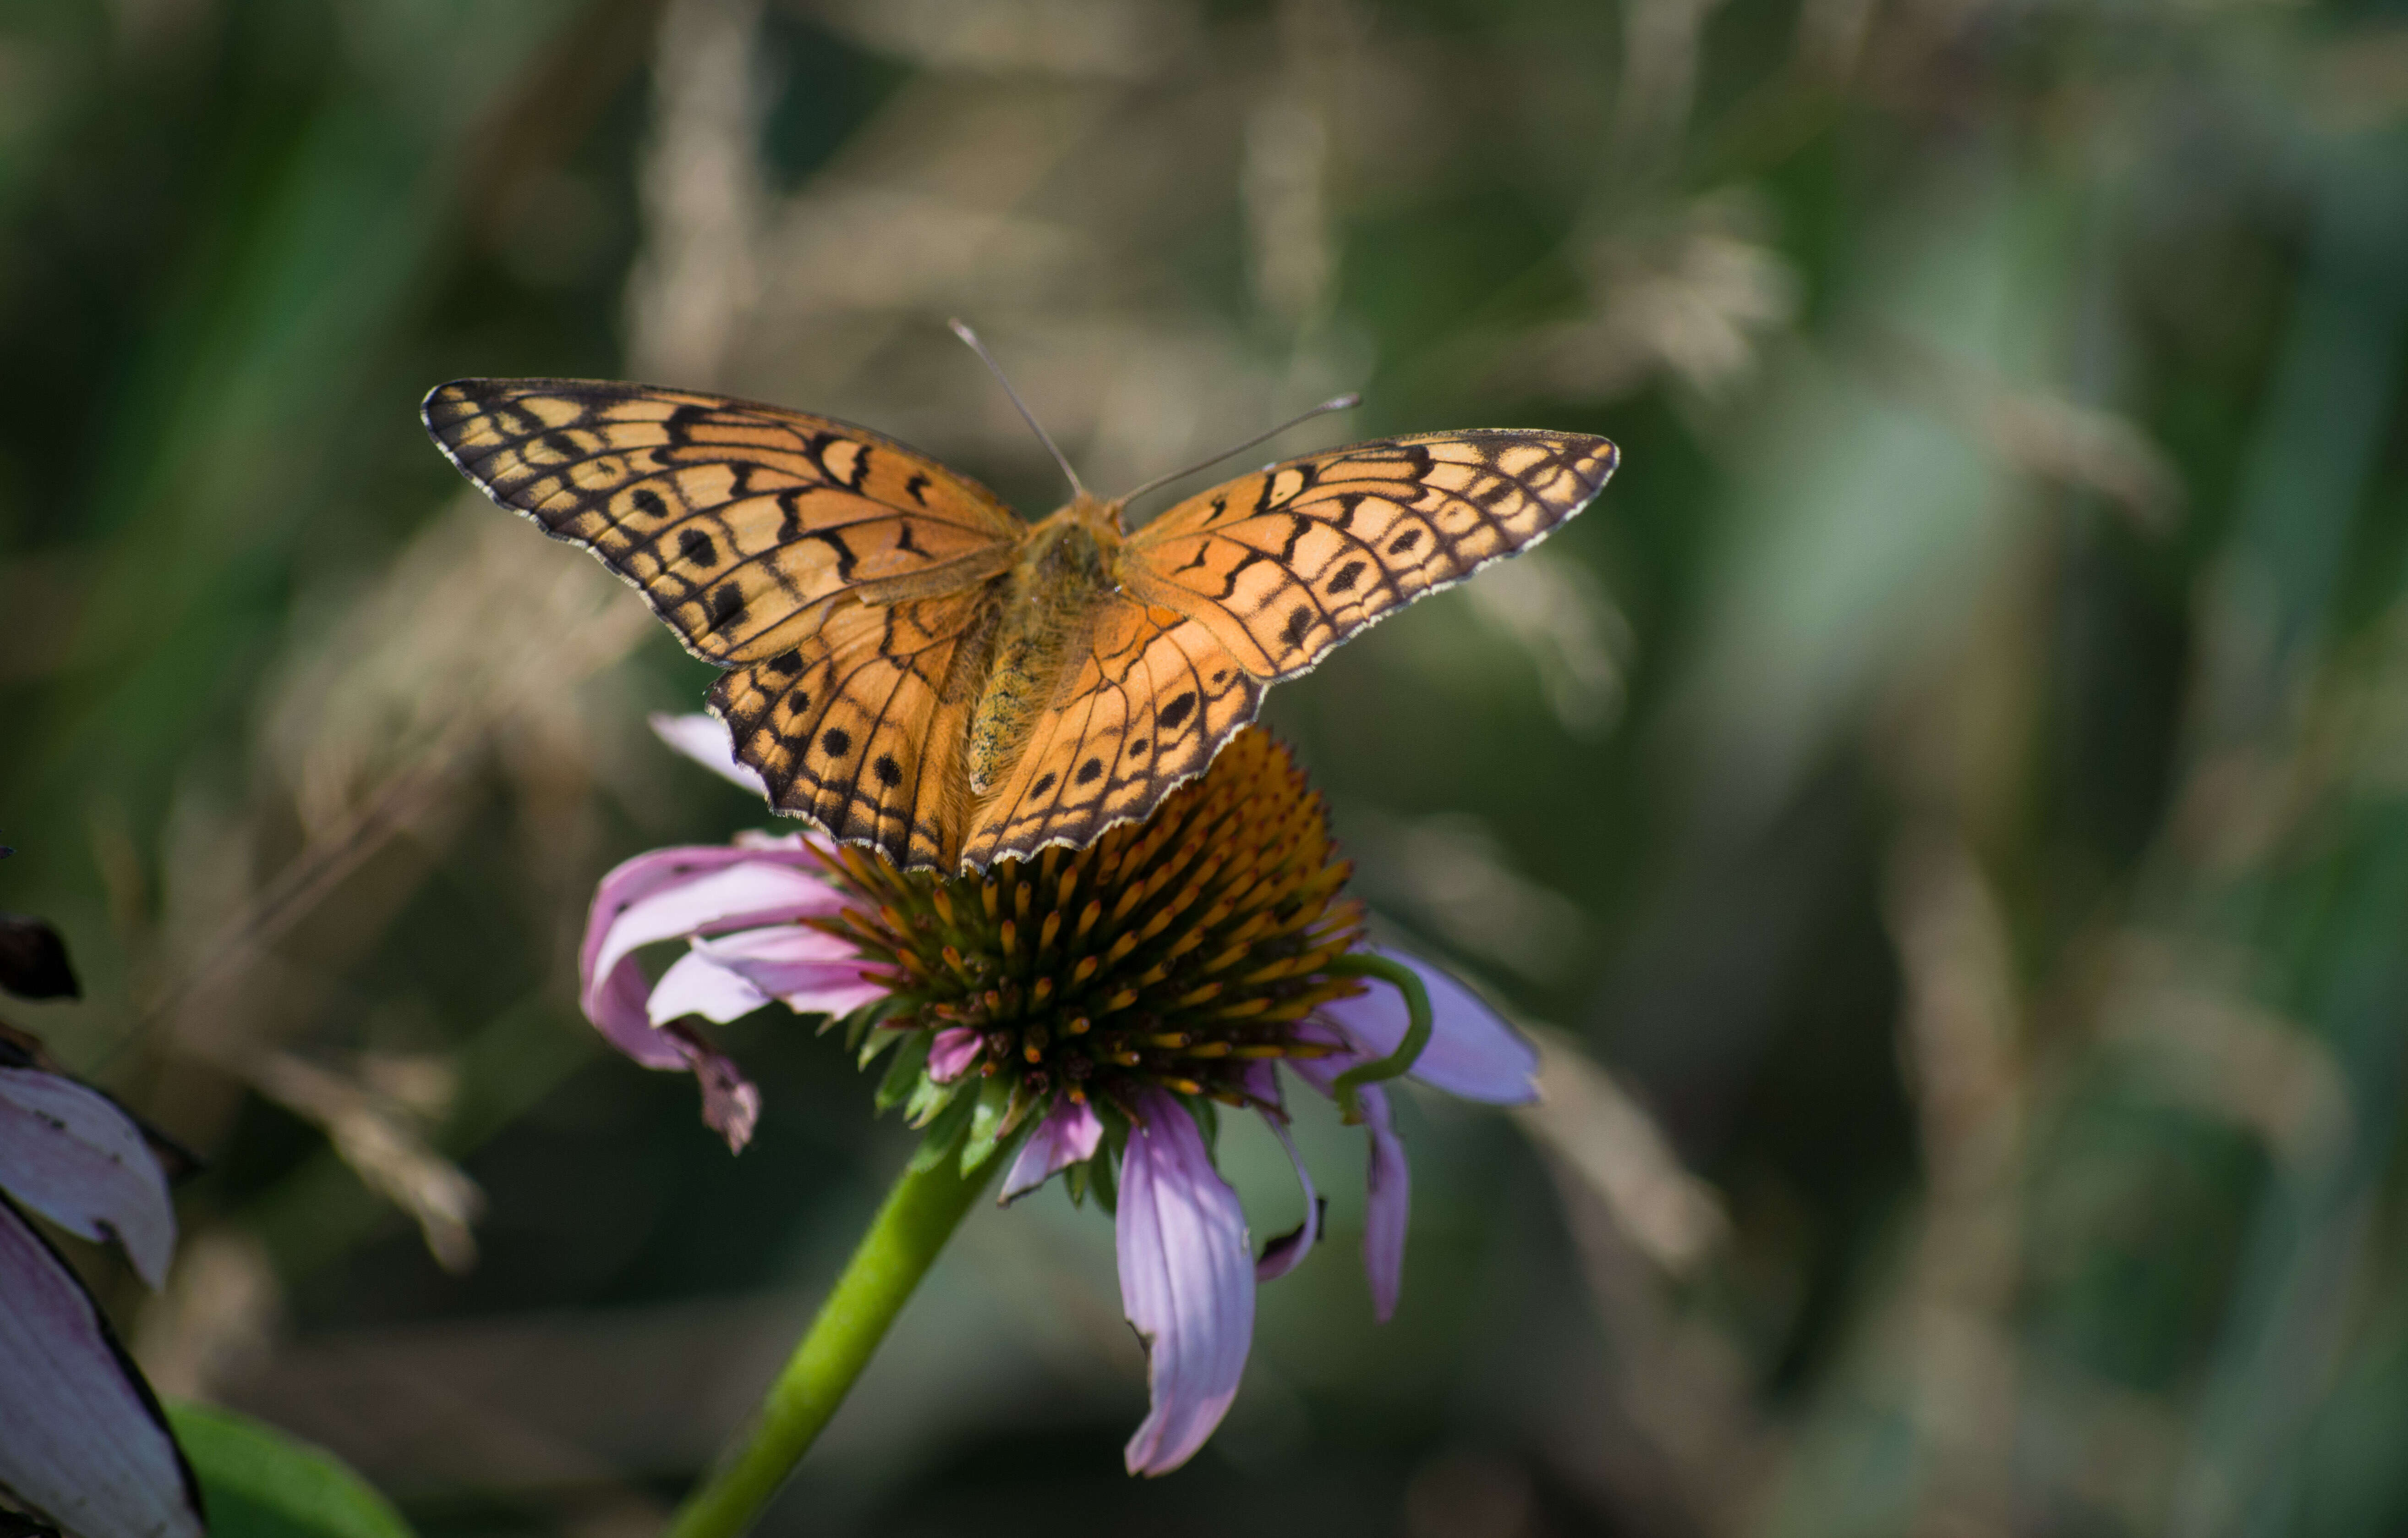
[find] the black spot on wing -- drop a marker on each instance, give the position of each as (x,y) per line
(727,606)
(836,741)
(1170,716)
(889,772)
(1299,622)
(1089,771)
(695,549)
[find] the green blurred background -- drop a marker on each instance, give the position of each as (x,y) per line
(1945,808)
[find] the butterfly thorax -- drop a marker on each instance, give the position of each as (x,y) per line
(1065,567)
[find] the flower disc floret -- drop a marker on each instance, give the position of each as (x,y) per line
(1180,954)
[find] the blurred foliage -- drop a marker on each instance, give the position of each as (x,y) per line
(260,1483)
(1955,781)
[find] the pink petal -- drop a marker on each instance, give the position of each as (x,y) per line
(953,1052)
(672,893)
(1287,1252)
(1187,1282)
(807,972)
(1472,1052)
(81,1439)
(1070,1134)
(72,1155)
(704,739)
(1388,1183)
(1388,1202)
(697,985)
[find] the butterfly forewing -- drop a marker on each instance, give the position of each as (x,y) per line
(753,530)
(1148,697)
(861,726)
(1284,564)
(739,523)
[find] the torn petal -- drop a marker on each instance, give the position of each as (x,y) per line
(72,1155)
(731,1104)
(1287,1252)
(83,1440)
(1070,1134)
(704,739)
(1187,1282)
(1472,1052)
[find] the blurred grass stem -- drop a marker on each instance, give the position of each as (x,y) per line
(920,1213)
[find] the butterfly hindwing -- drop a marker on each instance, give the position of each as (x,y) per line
(738,523)
(861,728)
(1285,564)
(1147,699)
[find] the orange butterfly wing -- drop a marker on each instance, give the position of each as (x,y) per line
(863,728)
(738,523)
(1255,582)
(1285,564)
(1146,701)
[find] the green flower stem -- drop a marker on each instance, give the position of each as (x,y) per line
(1417,1032)
(920,1215)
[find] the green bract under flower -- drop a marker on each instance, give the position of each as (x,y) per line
(1176,953)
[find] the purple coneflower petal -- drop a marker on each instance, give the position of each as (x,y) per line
(705,739)
(1387,1204)
(670,892)
(807,972)
(1287,1252)
(1387,1182)
(952,1051)
(71,1154)
(81,1439)
(1472,1052)
(1187,1282)
(697,985)
(1070,1134)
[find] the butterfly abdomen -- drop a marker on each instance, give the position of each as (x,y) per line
(1048,597)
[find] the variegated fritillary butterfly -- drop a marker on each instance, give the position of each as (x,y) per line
(911,666)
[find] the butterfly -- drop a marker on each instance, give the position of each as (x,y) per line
(912,666)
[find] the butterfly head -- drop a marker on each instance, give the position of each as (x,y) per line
(1095,515)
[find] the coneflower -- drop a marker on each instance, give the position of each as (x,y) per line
(83,1441)
(1091,1006)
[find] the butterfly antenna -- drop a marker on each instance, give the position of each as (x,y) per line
(1335,403)
(966,334)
